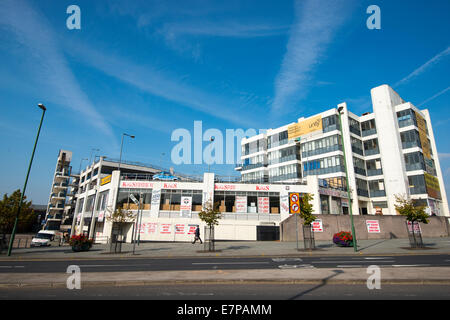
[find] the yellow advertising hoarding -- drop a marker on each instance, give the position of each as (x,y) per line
(423,135)
(307,126)
(105,180)
(432,184)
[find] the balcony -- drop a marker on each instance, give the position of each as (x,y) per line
(377,193)
(369,152)
(246,167)
(362,192)
(374,172)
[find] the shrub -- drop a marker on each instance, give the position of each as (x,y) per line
(343,238)
(80,240)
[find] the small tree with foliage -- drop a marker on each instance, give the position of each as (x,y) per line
(306,213)
(211,216)
(411,211)
(306,209)
(414,214)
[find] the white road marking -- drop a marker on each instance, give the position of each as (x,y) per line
(354,261)
(295,266)
(348,266)
(410,265)
(286,259)
(217,263)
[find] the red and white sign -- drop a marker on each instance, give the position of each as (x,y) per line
(186,207)
(136,184)
(148,228)
(180,229)
(416,227)
(224,187)
(263,205)
(101,215)
(170,185)
(165,228)
(373,226)
(241,204)
(317,225)
(262,188)
(191,228)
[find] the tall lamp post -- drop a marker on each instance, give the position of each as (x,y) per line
(121,146)
(346,177)
(13,233)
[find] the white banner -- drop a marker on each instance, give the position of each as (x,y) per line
(263,205)
(186,207)
(241,204)
(317,225)
(373,226)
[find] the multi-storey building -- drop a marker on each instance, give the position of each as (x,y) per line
(59,190)
(390,151)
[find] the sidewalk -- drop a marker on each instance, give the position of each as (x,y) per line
(408,275)
(232,249)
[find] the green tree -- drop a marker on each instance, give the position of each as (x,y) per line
(8,211)
(412,212)
(306,209)
(210,214)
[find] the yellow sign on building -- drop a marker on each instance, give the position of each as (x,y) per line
(307,126)
(423,135)
(432,184)
(105,180)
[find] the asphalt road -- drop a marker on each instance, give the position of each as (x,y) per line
(211,263)
(236,294)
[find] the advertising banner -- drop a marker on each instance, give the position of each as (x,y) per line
(165,228)
(432,184)
(423,136)
(263,205)
(373,226)
(307,126)
(317,225)
(241,204)
(180,229)
(105,180)
(186,207)
(156,198)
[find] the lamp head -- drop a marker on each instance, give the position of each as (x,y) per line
(40,105)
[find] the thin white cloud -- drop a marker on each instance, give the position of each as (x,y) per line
(232,29)
(435,96)
(161,84)
(49,67)
(311,33)
(424,67)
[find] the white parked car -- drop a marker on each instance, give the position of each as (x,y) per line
(43,238)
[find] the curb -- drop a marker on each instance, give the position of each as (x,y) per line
(302,254)
(128,283)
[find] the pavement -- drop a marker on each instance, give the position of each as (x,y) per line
(227,249)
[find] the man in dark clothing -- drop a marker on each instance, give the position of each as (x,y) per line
(197,235)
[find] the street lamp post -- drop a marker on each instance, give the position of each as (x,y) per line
(346,177)
(13,233)
(121,146)
(212,140)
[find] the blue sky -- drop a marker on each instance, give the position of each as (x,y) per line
(150,67)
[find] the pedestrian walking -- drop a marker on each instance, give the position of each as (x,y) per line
(197,235)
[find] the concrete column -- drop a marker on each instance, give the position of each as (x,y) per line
(384,99)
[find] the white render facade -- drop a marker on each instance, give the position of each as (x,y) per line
(162,217)
(391,151)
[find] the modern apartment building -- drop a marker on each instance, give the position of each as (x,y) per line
(59,191)
(390,151)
